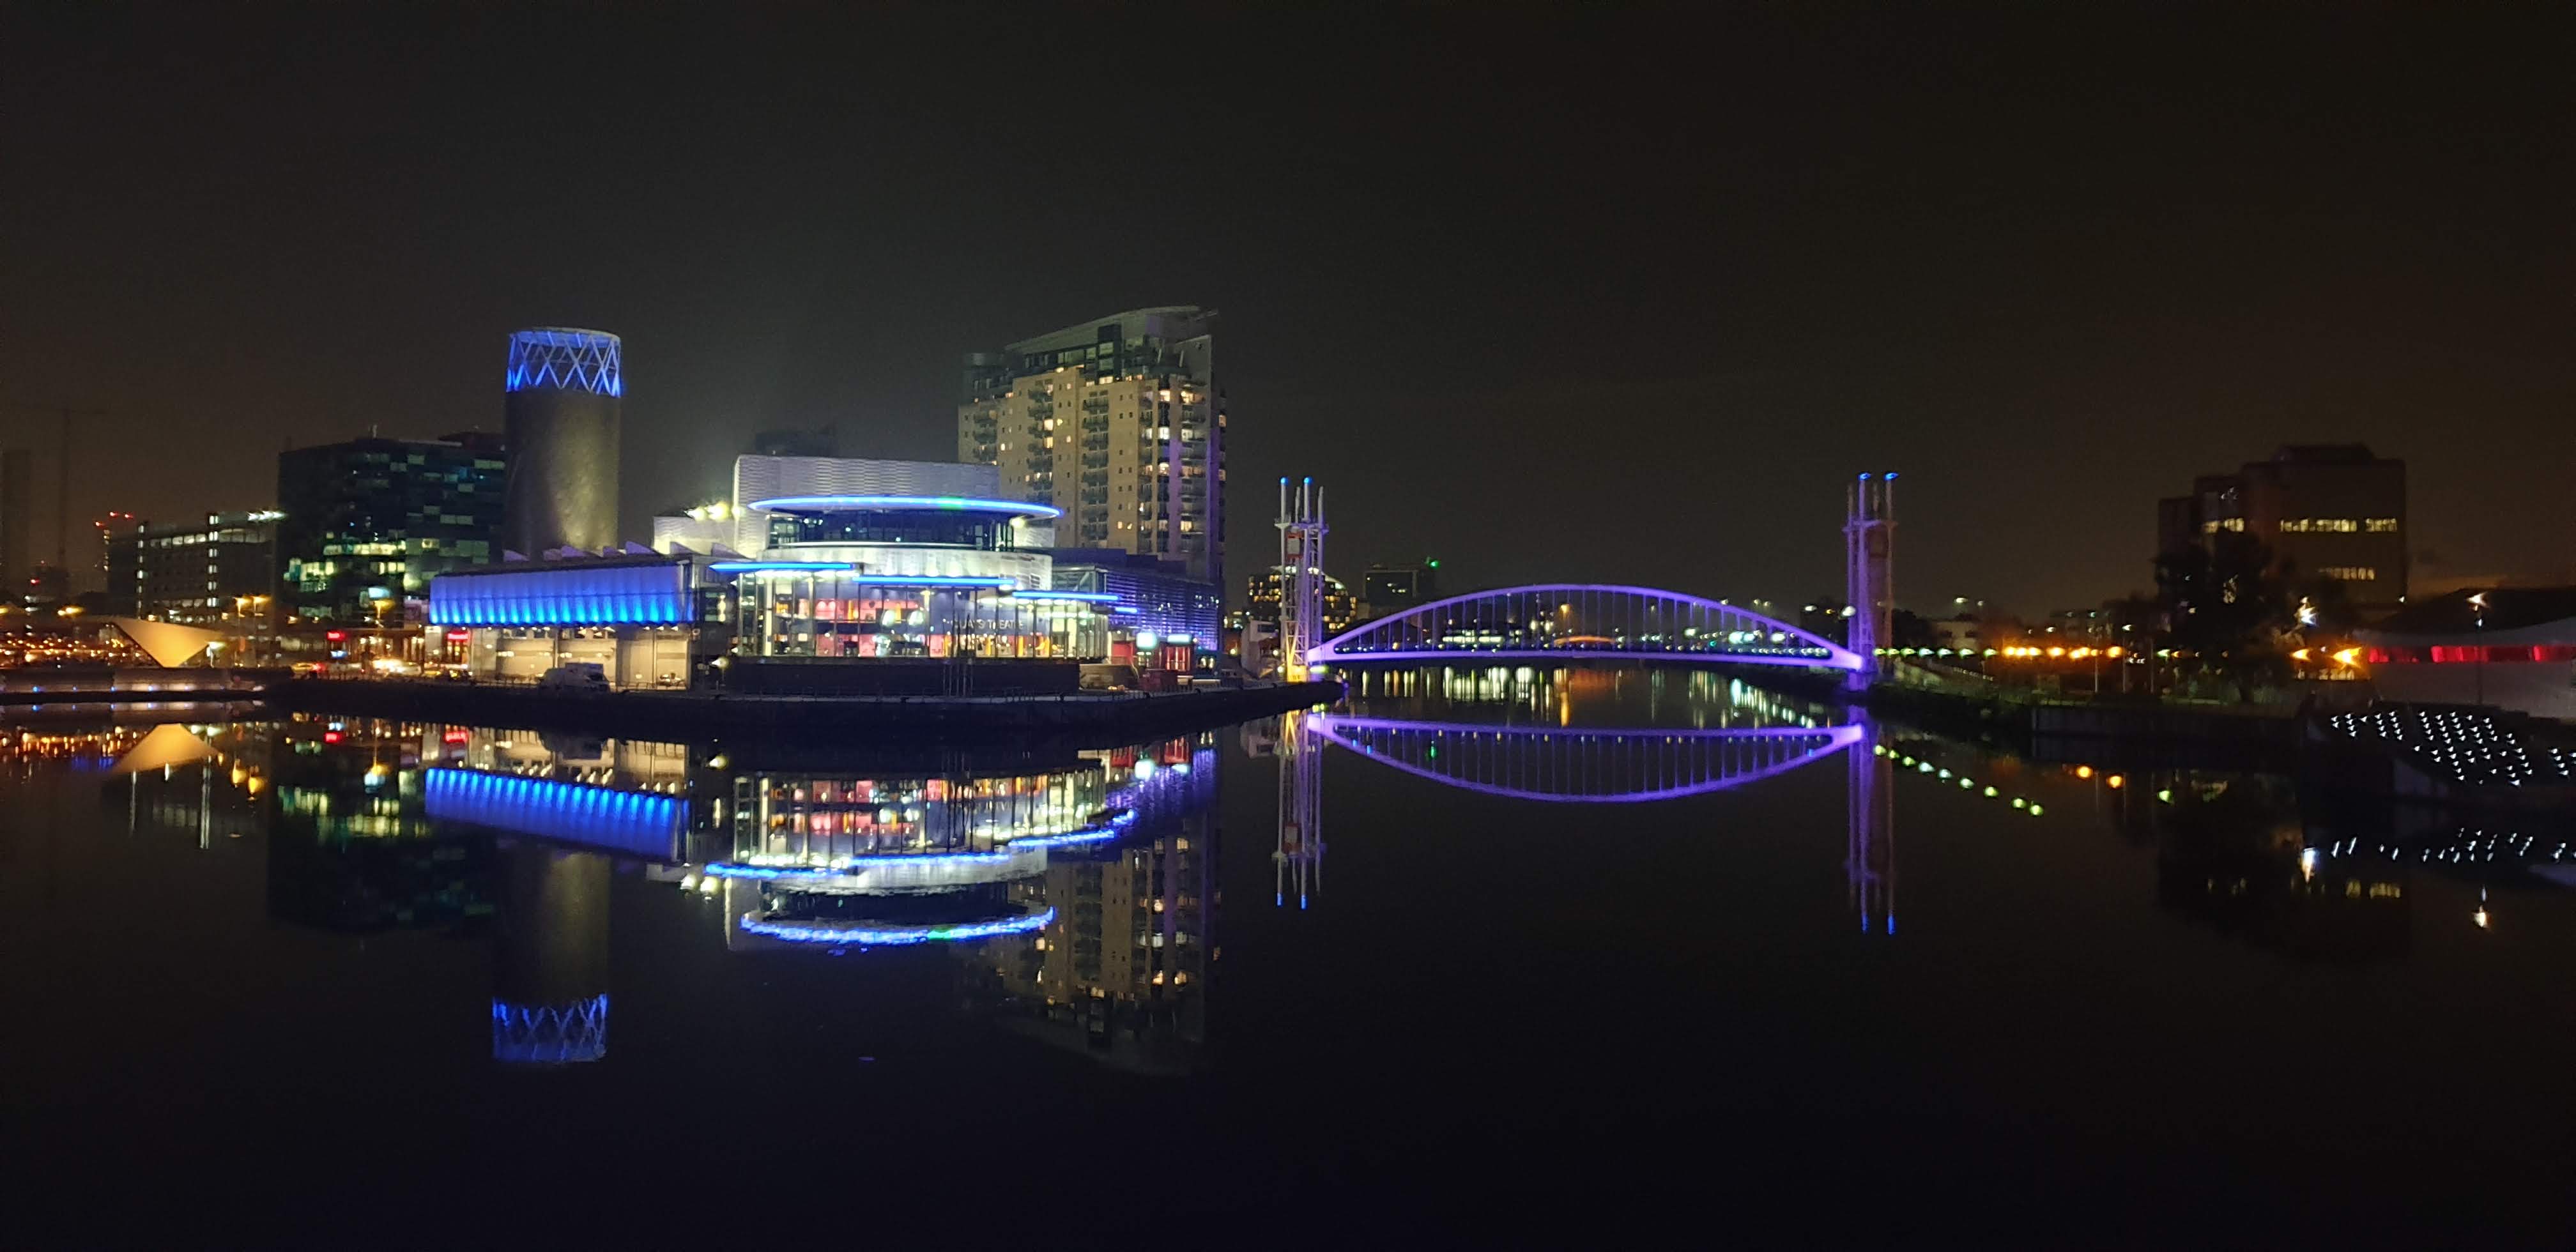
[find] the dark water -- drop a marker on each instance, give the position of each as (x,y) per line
(1454,963)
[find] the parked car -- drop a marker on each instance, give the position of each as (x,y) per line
(578,676)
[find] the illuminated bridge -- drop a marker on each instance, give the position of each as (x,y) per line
(1562,621)
(1577,766)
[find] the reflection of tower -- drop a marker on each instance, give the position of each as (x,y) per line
(1869,536)
(562,422)
(1301,577)
(1301,809)
(550,995)
(1870,862)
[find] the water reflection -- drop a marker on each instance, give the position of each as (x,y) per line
(1073,892)
(1072,888)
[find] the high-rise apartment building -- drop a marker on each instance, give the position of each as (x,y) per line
(1116,421)
(2325,511)
(369,522)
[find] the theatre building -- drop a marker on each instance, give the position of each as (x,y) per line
(926,584)
(2512,647)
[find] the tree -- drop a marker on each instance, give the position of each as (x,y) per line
(2227,606)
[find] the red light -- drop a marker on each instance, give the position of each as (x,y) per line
(459,636)
(335,636)
(330,736)
(455,734)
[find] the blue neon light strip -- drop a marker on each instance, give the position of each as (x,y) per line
(757,924)
(1085,597)
(968,504)
(622,821)
(852,576)
(830,869)
(610,595)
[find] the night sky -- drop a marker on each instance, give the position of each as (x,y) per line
(1585,295)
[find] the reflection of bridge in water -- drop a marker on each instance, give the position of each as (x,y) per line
(1571,766)
(1574,765)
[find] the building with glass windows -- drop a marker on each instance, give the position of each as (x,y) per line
(368,523)
(2325,512)
(816,561)
(1149,596)
(1118,424)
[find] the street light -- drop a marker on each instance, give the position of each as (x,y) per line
(2479,602)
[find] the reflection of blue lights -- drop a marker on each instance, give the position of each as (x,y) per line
(550,1034)
(625,821)
(1092,835)
(757,924)
(827,870)
(967,504)
(1085,597)
(604,595)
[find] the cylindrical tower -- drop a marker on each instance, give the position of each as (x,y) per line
(550,994)
(562,425)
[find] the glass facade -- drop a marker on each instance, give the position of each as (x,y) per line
(369,522)
(988,532)
(835,613)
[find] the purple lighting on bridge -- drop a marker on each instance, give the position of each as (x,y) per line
(1504,614)
(1352,732)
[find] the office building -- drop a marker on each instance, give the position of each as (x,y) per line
(564,388)
(219,572)
(1117,423)
(117,553)
(17,519)
(369,522)
(2326,512)
(1389,589)
(1263,592)
(1148,596)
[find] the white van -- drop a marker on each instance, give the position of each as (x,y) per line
(578,676)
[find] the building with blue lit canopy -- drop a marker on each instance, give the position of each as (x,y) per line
(816,561)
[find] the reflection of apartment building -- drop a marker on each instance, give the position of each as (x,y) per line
(1122,971)
(2327,512)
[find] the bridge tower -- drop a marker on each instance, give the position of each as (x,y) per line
(1869,862)
(1300,855)
(1869,541)
(1301,577)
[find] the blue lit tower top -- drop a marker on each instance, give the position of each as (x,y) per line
(560,417)
(564,359)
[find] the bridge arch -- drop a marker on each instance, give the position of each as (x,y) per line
(1557,621)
